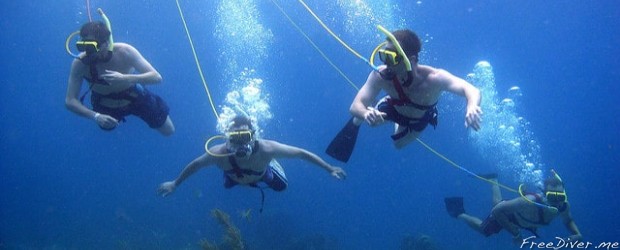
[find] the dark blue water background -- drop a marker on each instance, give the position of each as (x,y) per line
(68,185)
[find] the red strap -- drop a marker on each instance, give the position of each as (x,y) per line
(402,97)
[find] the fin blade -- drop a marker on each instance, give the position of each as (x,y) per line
(341,147)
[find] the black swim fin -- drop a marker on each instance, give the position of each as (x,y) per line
(342,145)
(454,205)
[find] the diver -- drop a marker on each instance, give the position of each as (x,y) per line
(528,212)
(412,94)
(115,73)
(246,160)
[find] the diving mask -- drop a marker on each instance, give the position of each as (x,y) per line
(88,46)
(554,196)
(239,142)
(389,57)
(240,137)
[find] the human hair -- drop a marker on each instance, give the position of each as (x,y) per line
(96,29)
(552,181)
(239,121)
(409,41)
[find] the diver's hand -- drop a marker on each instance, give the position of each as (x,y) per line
(473,117)
(166,188)
(111,76)
(338,173)
(105,121)
(373,116)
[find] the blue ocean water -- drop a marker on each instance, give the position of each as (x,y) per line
(69,185)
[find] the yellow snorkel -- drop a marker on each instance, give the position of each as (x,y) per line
(108,25)
(400,50)
(555,174)
(534,202)
(237,137)
(75,33)
(215,154)
(396,45)
(374,52)
(106,20)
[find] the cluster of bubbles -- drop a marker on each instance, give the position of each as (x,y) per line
(244,39)
(505,139)
(361,18)
(246,99)
(425,54)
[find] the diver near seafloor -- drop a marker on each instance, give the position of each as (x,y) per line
(413,91)
(247,160)
(115,73)
(528,212)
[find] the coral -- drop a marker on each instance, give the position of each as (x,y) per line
(420,242)
(222,217)
(206,245)
(246,215)
(232,235)
(313,241)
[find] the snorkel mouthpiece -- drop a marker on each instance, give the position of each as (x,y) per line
(239,142)
(242,151)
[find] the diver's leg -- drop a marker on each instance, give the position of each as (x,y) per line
(167,128)
(471,221)
(153,110)
(405,140)
(456,209)
(497,193)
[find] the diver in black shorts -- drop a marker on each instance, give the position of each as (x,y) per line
(528,212)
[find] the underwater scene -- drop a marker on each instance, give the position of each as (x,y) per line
(163,82)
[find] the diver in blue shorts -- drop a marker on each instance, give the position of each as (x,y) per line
(246,160)
(115,73)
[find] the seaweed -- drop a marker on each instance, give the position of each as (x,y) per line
(206,245)
(420,242)
(232,235)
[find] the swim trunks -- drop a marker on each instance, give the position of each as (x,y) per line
(274,177)
(151,108)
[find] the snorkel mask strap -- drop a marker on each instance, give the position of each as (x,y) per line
(401,52)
